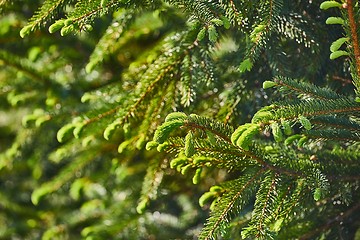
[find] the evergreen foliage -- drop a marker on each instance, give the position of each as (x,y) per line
(179,119)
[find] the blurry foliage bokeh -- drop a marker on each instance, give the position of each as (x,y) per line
(136,65)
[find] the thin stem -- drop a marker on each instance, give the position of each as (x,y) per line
(354,36)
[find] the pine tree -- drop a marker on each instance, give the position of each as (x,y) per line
(179,119)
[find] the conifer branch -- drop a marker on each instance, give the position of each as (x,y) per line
(336,122)
(252,153)
(132,109)
(22,65)
(47,11)
(65,175)
(95,11)
(283,197)
(222,216)
(313,108)
(330,223)
(265,203)
(336,134)
(295,200)
(306,88)
(232,4)
(199,8)
(198,126)
(344,81)
(151,183)
(151,87)
(269,166)
(152,116)
(259,40)
(101,116)
(232,110)
(105,45)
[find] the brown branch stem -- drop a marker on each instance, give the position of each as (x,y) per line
(354,36)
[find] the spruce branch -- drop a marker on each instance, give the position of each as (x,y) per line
(147,92)
(252,153)
(66,174)
(334,134)
(114,32)
(299,190)
(255,154)
(307,108)
(337,122)
(231,111)
(286,193)
(201,9)
(204,128)
(23,65)
(93,12)
(151,183)
(49,9)
(268,200)
(344,81)
(101,116)
(157,61)
(233,6)
(261,33)
(306,88)
(330,223)
(220,216)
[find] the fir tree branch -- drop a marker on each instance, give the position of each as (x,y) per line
(252,153)
(47,11)
(198,8)
(295,200)
(332,111)
(283,197)
(66,174)
(314,108)
(336,134)
(223,215)
(267,201)
(344,81)
(95,11)
(101,115)
(151,183)
(339,218)
(260,37)
(232,4)
(151,122)
(203,128)
(22,65)
(133,108)
(114,32)
(232,110)
(336,122)
(306,88)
